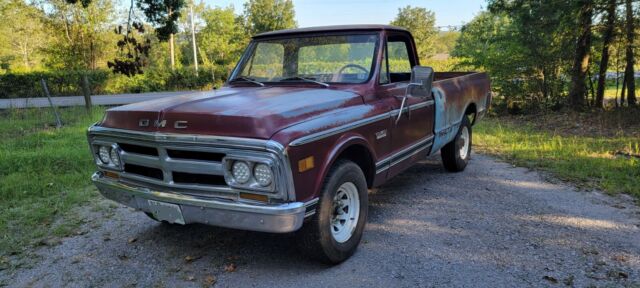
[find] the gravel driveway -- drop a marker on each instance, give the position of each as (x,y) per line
(493,225)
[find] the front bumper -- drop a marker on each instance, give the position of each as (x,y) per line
(275,218)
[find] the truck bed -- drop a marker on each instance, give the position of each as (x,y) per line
(457,94)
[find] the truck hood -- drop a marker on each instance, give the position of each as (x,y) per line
(235,112)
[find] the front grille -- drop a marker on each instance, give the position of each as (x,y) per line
(130,148)
(195,155)
(172,166)
(192,178)
(143,171)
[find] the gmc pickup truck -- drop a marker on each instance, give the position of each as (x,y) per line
(307,122)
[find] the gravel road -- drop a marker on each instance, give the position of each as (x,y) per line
(491,226)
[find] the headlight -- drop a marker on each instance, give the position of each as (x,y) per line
(103,153)
(115,156)
(240,171)
(263,174)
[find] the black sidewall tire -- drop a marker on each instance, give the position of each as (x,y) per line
(319,242)
(451,152)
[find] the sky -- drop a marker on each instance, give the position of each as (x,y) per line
(337,12)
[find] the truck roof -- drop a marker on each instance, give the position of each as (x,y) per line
(334,28)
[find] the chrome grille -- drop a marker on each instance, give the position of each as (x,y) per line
(188,169)
(191,164)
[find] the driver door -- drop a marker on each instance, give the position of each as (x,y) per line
(412,128)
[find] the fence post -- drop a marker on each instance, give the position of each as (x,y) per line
(87,93)
(55,112)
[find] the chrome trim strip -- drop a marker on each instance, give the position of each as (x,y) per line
(346,127)
(337,130)
(400,156)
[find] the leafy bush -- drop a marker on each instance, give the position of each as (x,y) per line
(68,83)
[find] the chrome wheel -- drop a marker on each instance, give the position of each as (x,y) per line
(346,210)
(464,138)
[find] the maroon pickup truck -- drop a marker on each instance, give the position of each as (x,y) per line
(308,121)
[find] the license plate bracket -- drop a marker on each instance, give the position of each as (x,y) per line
(166,212)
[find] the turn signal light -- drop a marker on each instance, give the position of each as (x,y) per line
(305,164)
(254,197)
(111,174)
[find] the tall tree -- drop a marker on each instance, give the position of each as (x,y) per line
(268,15)
(22,35)
(422,24)
(629,71)
(607,38)
(222,38)
(578,91)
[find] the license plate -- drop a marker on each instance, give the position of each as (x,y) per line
(166,212)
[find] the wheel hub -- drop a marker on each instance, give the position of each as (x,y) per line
(346,210)
(464,142)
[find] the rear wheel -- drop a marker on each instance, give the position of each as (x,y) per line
(456,154)
(334,232)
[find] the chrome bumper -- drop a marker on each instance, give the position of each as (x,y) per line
(279,218)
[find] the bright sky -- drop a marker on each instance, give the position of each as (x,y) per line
(337,12)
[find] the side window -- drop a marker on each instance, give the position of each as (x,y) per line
(399,59)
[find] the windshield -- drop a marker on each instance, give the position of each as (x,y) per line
(332,59)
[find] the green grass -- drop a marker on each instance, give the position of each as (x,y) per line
(610,91)
(589,162)
(44,172)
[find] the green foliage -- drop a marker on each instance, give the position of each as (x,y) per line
(62,83)
(45,172)
(421,22)
(268,15)
(588,161)
(508,46)
(222,39)
(164,14)
(22,36)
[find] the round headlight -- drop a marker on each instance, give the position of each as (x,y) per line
(240,171)
(103,153)
(263,174)
(115,156)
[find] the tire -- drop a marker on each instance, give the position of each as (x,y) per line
(455,155)
(326,237)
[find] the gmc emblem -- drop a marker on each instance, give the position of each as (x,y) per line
(162,123)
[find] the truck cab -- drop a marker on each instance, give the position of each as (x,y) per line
(309,120)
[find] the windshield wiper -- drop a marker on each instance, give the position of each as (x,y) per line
(306,80)
(246,79)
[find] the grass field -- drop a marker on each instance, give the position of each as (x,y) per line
(589,161)
(610,90)
(44,172)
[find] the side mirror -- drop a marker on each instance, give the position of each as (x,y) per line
(421,82)
(419,86)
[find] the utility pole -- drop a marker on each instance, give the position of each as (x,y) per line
(193,39)
(171,49)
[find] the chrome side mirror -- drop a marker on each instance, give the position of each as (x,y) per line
(419,86)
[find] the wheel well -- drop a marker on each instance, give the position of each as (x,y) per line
(471,110)
(360,155)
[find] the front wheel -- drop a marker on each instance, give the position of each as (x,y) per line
(455,155)
(333,233)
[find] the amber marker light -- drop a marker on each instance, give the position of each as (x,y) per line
(111,174)
(305,164)
(254,197)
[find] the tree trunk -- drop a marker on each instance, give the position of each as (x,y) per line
(171,49)
(581,60)
(628,71)
(604,62)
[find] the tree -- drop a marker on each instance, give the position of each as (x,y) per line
(629,78)
(577,91)
(83,34)
(23,35)
(607,38)
(421,22)
(268,15)
(222,38)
